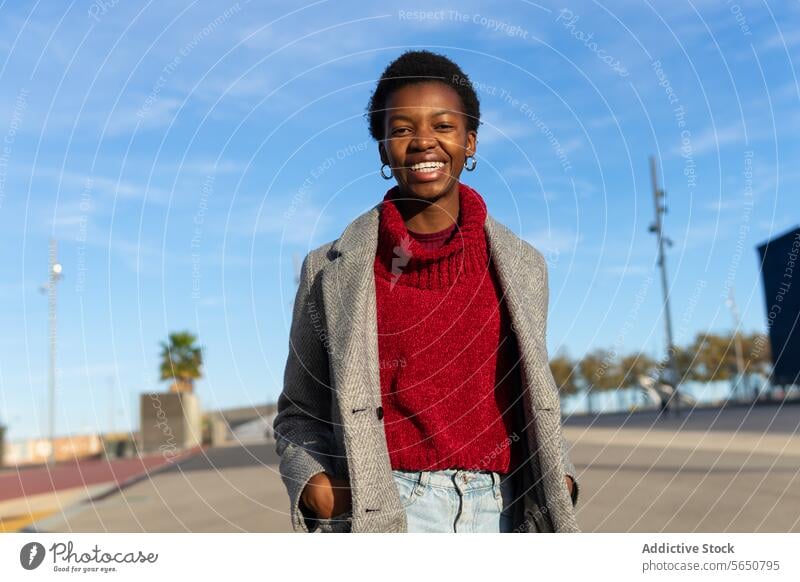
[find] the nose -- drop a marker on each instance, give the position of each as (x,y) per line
(423,140)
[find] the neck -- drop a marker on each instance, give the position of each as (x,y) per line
(425,215)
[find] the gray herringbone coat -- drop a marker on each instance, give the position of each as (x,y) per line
(328,417)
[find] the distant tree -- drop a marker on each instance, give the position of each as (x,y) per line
(709,357)
(634,365)
(564,373)
(715,357)
(712,356)
(687,364)
(757,353)
(181,361)
(600,369)
(598,372)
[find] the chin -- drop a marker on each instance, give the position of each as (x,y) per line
(431,190)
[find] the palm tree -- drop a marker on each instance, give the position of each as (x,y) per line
(181,361)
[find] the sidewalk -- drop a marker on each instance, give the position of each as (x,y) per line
(634,479)
(34,493)
(234,488)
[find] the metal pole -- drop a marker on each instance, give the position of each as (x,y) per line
(110,405)
(731,302)
(656,227)
(54,274)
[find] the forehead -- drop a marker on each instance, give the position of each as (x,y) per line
(422,99)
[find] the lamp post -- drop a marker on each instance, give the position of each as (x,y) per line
(54,275)
(657,229)
(731,303)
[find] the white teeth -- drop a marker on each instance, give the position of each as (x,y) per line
(425,167)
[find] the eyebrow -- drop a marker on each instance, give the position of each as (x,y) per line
(434,114)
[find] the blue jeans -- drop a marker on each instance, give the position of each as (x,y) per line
(456,500)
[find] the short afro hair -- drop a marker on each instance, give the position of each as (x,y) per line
(421,66)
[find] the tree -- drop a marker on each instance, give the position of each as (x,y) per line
(598,370)
(715,356)
(564,373)
(712,356)
(634,365)
(757,353)
(181,361)
(687,364)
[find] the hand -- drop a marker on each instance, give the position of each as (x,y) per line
(570,485)
(326,495)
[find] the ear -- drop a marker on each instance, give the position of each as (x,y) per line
(382,153)
(472,143)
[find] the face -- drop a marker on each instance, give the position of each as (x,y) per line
(425,123)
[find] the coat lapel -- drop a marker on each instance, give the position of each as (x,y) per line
(521,271)
(348,288)
(522,278)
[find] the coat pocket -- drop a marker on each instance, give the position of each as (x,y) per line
(341,523)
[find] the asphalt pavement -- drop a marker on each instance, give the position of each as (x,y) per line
(735,469)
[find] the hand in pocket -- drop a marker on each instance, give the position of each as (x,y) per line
(327,495)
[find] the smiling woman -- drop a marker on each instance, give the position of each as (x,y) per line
(427,143)
(426,131)
(447,442)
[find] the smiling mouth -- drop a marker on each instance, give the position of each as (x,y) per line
(427,167)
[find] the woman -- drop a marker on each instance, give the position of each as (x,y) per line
(417,392)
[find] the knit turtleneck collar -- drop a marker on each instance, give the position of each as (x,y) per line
(405,261)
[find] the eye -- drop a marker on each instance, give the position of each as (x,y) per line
(445,126)
(398,129)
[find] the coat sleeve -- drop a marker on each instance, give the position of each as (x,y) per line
(569,467)
(302,425)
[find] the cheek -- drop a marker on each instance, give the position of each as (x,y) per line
(456,145)
(396,150)
(456,148)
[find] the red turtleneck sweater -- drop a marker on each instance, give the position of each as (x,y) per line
(433,240)
(448,358)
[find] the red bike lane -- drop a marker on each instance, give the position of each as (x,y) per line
(28,481)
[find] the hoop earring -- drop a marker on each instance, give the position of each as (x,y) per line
(474,163)
(385,177)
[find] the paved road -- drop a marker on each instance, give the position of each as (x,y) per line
(645,487)
(731,469)
(224,489)
(636,475)
(30,494)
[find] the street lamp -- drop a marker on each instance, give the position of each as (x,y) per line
(54,275)
(730,302)
(657,228)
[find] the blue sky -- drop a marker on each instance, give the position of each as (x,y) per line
(183,153)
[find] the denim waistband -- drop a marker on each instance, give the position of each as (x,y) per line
(463,479)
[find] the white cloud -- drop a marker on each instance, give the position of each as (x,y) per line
(291,222)
(781,39)
(554,240)
(498,128)
(625,270)
(108,187)
(712,139)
